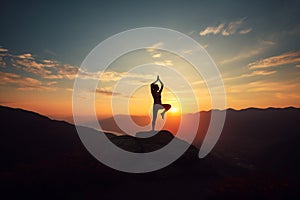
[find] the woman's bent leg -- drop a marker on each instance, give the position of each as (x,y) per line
(166,108)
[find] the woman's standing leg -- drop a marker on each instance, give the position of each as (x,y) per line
(155,110)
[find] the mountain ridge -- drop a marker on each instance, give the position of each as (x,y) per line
(46,158)
(204,111)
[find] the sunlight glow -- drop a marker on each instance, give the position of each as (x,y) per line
(174,110)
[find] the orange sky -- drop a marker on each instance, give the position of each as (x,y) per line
(56,101)
(47,85)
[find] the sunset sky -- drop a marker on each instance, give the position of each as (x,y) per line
(255,44)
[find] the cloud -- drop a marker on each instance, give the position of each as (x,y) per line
(26,56)
(2,62)
(47,51)
(283,59)
(155,46)
(268,42)
(8,77)
(232,27)
(212,30)
(226,30)
(157,55)
(164,63)
(47,69)
(109,76)
(22,83)
(260,73)
(67,71)
(264,86)
(252,74)
(103,76)
(257,73)
(284,95)
(3,54)
(2,50)
(69,89)
(245,31)
(190,33)
(250,52)
(52,70)
(187,51)
(107,92)
(243,55)
(51,83)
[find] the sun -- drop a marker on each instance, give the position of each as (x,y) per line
(174,110)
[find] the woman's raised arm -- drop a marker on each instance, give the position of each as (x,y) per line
(162,84)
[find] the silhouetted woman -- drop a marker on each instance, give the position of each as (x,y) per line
(156,94)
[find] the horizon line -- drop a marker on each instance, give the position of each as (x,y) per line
(227,109)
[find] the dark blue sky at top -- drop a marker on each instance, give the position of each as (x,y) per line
(68,30)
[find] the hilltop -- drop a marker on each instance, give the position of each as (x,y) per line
(44,158)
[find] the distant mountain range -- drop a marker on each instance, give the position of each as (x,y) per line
(256,157)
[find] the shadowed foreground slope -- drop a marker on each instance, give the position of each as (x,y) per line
(44,158)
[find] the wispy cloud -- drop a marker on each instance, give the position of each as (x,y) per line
(243,55)
(260,73)
(232,27)
(108,92)
(25,56)
(155,46)
(47,51)
(227,29)
(51,83)
(212,30)
(190,33)
(245,31)
(164,63)
(264,86)
(205,46)
(2,50)
(252,74)
(113,76)
(250,52)
(283,59)
(103,76)
(2,62)
(47,69)
(187,51)
(157,55)
(23,83)
(3,53)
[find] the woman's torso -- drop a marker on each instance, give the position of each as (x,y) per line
(156,97)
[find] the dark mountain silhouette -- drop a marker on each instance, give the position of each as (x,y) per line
(256,157)
(254,137)
(262,137)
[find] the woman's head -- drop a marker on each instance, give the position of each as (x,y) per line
(155,87)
